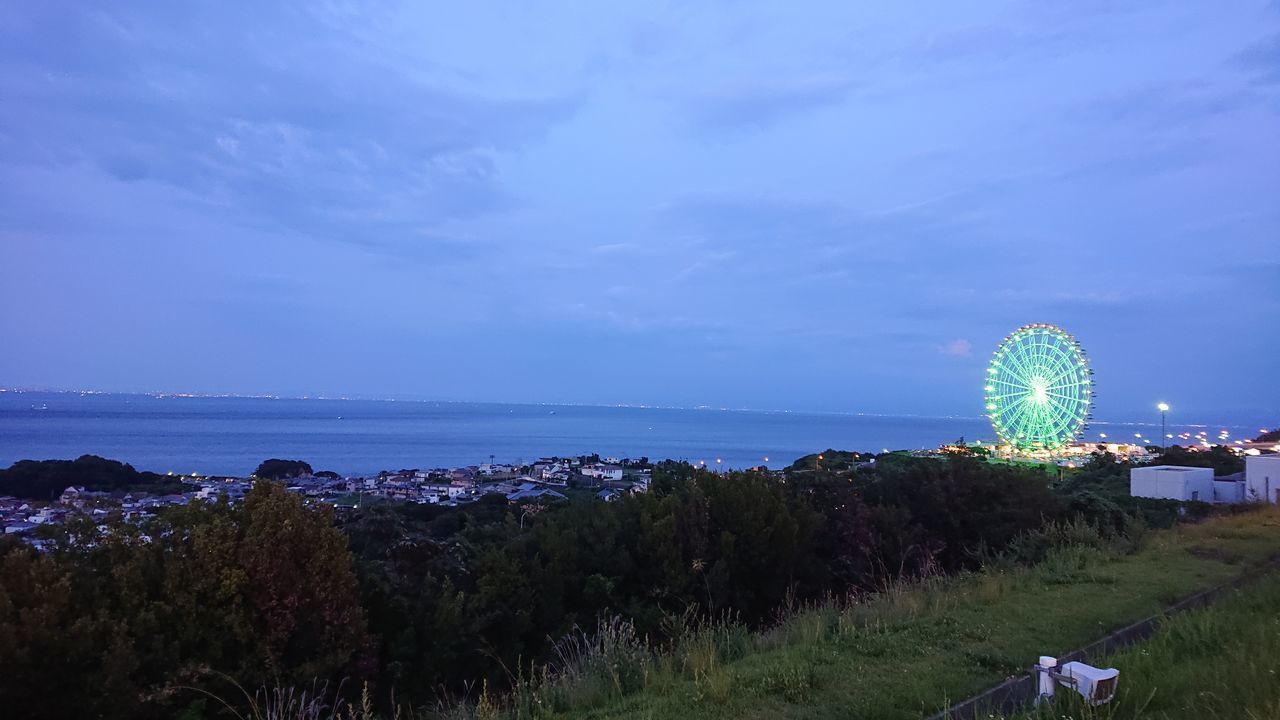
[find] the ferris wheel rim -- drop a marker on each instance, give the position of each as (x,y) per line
(1039,392)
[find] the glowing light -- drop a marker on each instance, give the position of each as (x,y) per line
(1163,407)
(1038,393)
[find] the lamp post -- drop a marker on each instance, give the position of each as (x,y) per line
(1164,437)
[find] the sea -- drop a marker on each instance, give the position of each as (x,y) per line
(231,435)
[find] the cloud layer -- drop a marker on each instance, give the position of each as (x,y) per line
(836,208)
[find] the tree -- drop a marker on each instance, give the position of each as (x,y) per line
(263,591)
(276,469)
(300,582)
(1222,459)
(46,479)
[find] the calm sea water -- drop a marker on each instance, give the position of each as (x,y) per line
(232,435)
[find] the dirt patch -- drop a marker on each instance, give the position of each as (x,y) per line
(1213,553)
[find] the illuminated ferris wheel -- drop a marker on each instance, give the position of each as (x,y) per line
(1039,388)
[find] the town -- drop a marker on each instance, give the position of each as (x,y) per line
(548,479)
(553,479)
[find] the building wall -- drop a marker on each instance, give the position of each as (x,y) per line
(1262,478)
(1172,483)
(1228,491)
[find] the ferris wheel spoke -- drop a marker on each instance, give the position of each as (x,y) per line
(1021,411)
(1024,369)
(1052,363)
(1065,412)
(1073,380)
(1060,396)
(1065,370)
(1063,420)
(1039,388)
(1013,382)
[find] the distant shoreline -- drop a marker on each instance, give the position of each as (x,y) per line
(162,395)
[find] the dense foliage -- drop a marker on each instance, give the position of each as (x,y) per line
(276,469)
(46,479)
(108,627)
(1219,457)
(469,595)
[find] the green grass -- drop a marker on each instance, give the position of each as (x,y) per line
(1220,663)
(906,652)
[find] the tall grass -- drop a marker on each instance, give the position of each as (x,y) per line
(293,703)
(610,662)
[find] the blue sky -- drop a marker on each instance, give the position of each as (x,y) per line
(838,206)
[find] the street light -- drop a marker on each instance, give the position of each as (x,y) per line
(1163,408)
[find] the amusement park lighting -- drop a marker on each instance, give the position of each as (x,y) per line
(1038,390)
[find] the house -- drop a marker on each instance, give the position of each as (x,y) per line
(18,527)
(1168,482)
(77,495)
(609,495)
(465,475)
(533,491)
(603,472)
(1262,478)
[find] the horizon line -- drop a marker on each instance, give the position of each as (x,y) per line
(637,406)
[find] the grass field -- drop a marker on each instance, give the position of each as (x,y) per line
(1220,663)
(906,652)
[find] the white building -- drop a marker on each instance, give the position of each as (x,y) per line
(1167,482)
(611,473)
(1262,478)
(1230,492)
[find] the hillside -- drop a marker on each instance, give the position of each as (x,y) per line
(906,653)
(1217,663)
(46,479)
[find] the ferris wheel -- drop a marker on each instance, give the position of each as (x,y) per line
(1039,388)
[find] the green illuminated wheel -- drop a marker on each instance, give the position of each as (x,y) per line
(1039,388)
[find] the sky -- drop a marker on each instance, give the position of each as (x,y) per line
(808,206)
